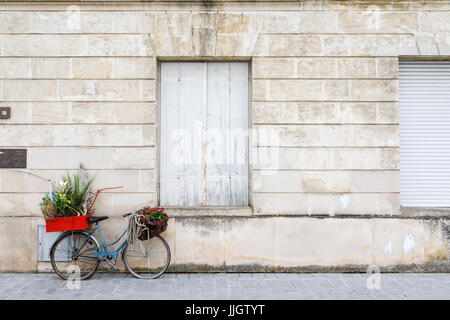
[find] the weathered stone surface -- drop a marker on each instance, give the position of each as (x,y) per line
(325,158)
(330,135)
(91,158)
(324,112)
(75,45)
(325,204)
(11,68)
(131,180)
(77,135)
(282,242)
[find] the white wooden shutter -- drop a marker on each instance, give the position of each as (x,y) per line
(424,133)
(204,143)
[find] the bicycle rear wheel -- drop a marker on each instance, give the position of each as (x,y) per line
(74,252)
(147,259)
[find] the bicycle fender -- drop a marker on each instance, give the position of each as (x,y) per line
(80,231)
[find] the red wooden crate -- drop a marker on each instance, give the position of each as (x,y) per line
(67,224)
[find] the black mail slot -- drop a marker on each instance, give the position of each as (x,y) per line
(13,158)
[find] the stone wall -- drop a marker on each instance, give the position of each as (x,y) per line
(81,80)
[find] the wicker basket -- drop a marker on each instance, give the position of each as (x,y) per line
(154,227)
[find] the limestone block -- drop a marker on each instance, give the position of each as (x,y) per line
(288,45)
(21,113)
(315,181)
(246,45)
(131,180)
(38,45)
(335,90)
(387,68)
(301,181)
(363,112)
(51,68)
(295,112)
(226,44)
(148,90)
(91,158)
(358,21)
(55,22)
(330,135)
(50,113)
(378,45)
(274,22)
(117,22)
(440,21)
(274,68)
(77,135)
(398,22)
(336,45)
(201,42)
(20,204)
(229,22)
(388,113)
(117,45)
(120,112)
(287,90)
(426,43)
(14,22)
(356,68)
(376,135)
(259,249)
(406,45)
(280,203)
(134,68)
(374,90)
(443,43)
(325,204)
(324,112)
(317,22)
(161,44)
(375,181)
(203,19)
(30,90)
(106,90)
(176,22)
(92,68)
(277,181)
(325,158)
(13,68)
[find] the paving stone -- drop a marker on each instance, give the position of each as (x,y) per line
(252,286)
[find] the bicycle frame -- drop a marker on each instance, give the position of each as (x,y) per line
(104,246)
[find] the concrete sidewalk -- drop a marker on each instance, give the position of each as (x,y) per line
(220,286)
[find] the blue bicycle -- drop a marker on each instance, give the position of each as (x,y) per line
(79,251)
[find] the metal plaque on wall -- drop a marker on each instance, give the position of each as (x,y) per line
(13,158)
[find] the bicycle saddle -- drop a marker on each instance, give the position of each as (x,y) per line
(96,219)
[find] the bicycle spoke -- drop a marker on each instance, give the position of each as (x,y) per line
(148,258)
(63,259)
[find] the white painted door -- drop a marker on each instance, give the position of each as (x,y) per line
(424,133)
(204,134)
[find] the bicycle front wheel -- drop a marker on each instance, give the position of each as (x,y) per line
(74,253)
(147,259)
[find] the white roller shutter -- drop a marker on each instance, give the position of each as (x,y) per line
(424,133)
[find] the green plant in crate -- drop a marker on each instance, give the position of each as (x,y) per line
(77,193)
(68,198)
